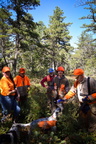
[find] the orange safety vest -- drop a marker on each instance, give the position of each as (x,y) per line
(49,80)
(47,124)
(20,81)
(22,84)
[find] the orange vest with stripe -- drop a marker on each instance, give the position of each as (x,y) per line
(47,124)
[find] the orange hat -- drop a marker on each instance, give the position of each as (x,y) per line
(78,72)
(21,70)
(60,69)
(5,69)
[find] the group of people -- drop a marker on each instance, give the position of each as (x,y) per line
(12,92)
(57,86)
(16,89)
(84,87)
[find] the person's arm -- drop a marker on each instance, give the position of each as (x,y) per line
(67,87)
(92,89)
(43,82)
(12,91)
(71,93)
(28,81)
(15,80)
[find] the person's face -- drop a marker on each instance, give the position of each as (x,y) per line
(79,78)
(60,73)
(22,74)
(6,74)
(51,74)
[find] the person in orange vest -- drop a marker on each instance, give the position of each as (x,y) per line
(47,82)
(85,87)
(8,94)
(22,83)
(61,85)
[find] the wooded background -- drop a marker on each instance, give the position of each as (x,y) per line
(36,47)
(24,43)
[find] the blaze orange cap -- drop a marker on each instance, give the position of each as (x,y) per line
(60,69)
(5,69)
(21,70)
(78,72)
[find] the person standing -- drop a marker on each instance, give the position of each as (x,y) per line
(61,86)
(22,83)
(85,87)
(47,82)
(8,95)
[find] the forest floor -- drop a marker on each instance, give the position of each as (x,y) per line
(69,130)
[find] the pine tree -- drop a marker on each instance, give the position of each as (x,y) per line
(58,38)
(85,54)
(21,23)
(91,6)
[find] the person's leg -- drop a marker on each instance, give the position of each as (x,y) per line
(92,124)
(15,109)
(54,98)
(53,105)
(5,104)
(51,100)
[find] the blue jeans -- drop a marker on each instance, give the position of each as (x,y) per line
(9,104)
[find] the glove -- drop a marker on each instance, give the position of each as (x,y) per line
(60,100)
(85,109)
(85,99)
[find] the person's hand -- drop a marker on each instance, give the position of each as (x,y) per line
(46,87)
(18,97)
(60,100)
(11,92)
(28,89)
(55,87)
(85,99)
